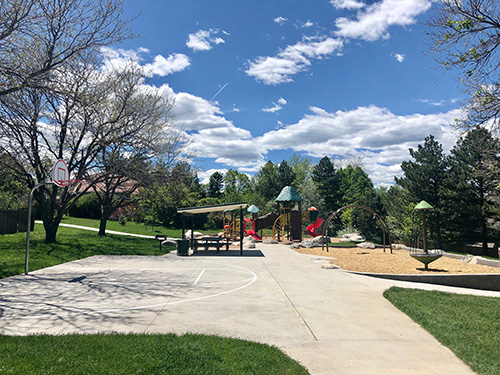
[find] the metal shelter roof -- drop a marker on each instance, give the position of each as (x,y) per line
(214,208)
(289,194)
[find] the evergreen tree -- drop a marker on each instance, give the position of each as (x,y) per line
(215,185)
(475,166)
(424,178)
(356,187)
(323,174)
(286,176)
(401,218)
(301,167)
(267,182)
(237,186)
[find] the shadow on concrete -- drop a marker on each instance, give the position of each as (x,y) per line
(228,253)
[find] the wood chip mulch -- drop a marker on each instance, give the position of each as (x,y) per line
(400,262)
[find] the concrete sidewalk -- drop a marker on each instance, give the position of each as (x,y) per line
(331,321)
(97,230)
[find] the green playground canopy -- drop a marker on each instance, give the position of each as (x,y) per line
(289,194)
(423,206)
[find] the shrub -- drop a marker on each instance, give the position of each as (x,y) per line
(87,207)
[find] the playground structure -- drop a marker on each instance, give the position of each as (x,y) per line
(231,224)
(286,222)
(383,225)
(317,221)
(424,256)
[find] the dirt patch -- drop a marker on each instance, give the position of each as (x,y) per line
(400,262)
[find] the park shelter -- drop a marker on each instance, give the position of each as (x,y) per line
(191,211)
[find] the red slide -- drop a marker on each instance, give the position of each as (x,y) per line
(311,228)
(251,232)
(254,234)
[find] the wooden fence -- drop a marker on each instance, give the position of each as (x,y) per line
(15,221)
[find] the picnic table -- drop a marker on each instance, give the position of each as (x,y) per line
(210,242)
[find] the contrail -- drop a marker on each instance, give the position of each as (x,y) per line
(218,92)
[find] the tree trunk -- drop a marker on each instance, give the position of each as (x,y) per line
(102,226)
(484,235)
(105,214)
(51,227)
(50,234)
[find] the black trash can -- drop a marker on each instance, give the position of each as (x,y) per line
(182,247)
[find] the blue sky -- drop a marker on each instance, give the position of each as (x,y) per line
(259,80)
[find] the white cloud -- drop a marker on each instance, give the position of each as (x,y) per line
(116,58)
(204,176)
(400,57)
(292,60)
(303,25)
(435,104)
(282,101)
(347,4)
(280,20)
(211,135)
(372,22)
(195,113)
(276,106)
(377,135)
(160,66)
(203,40)
(164,66)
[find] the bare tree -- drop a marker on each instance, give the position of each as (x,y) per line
(38,126)
(138,132)
(37,37)
(466,36)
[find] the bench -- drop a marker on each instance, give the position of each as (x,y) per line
(210,242)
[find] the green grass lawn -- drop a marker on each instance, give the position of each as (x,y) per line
(468,325)
(71,244)
(124,354)
(129,227)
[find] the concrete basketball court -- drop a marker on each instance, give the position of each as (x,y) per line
(331,321)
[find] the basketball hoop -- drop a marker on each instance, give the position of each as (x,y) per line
(60,173)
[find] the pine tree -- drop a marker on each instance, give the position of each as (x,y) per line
(286,176)
(267,182)
(424,178)
(326,180)
(215,185)
(475,167)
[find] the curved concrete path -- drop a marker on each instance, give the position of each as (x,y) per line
(331,321)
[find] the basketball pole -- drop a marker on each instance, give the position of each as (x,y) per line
(27,257)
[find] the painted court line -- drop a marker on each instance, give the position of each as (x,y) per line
(199,277)
(80,311)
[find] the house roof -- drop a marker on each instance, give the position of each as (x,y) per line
(289,194)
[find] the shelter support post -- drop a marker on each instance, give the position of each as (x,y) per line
(183,226)
(241,230)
